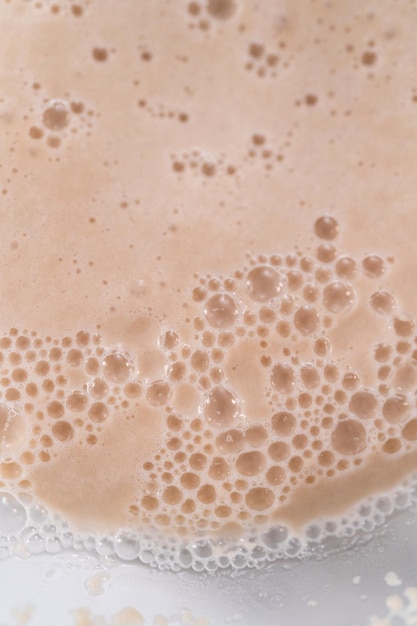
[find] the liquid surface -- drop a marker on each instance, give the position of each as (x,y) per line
(207,273)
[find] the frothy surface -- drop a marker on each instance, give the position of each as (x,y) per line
(208,322)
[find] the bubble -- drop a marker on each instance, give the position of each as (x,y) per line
(219,468)
(279,451)
(35,132)
(221,9)
(263,283)
(403,326)
(42,368)
(346,267)
(200,360)
(189,480)
(256,50)
(409,431)
(296,464)
(283,423)
(100,54)
(62,430)
(172,495)
(300,442)
(12,430)
(221,311)
(337,296)
(221,407)
(326,227)
(275,475)
(392,445)
(198,461)
(383,302)
(132,390)
(349,437)
(150,503)
(396,409)
(74,357)
(231,441)
(306,319)
(77,401)
(294,280)
(326,253)
(326,458)
(98,412)
(373,266)
(283,378)
(158,393)
(250,463)
(126,546)
(256,436)
(364,404)
(259,498)
(174,423)
(116,367)
(206,494)
(56,116)
(368,58)
(12,514)
(19,375)
(310,376)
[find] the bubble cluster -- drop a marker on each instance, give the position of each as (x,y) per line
(59,119)
(219,462)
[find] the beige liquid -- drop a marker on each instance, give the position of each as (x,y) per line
(208,260)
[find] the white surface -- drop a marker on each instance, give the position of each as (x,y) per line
(341,590)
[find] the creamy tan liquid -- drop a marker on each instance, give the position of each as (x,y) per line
(207,262)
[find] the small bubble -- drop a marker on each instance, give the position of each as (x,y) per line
(396,409)
(326,227)
(62,430)
(368,58)
(346,267)
(383,302)
(373,266)
(221,9)
(259,498)
(256,436)
(403,326)
(349,437)
(158,393)
(100,54)
(221,407)
(263,283)
(275,475)
(279,451)
(250,463)
(35,132)
(231,441)
(310,376)
(221,310)
(98,412)
(326,253)
(283,423)
(283,378)
(409,431)
(116,367)
(392,445)
(77,401)
(364,404)
(338,296)
(256,50)
(56,116)
(306,319)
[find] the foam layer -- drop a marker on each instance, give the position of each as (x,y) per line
(221,368)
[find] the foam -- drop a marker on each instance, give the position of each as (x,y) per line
(193,372)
